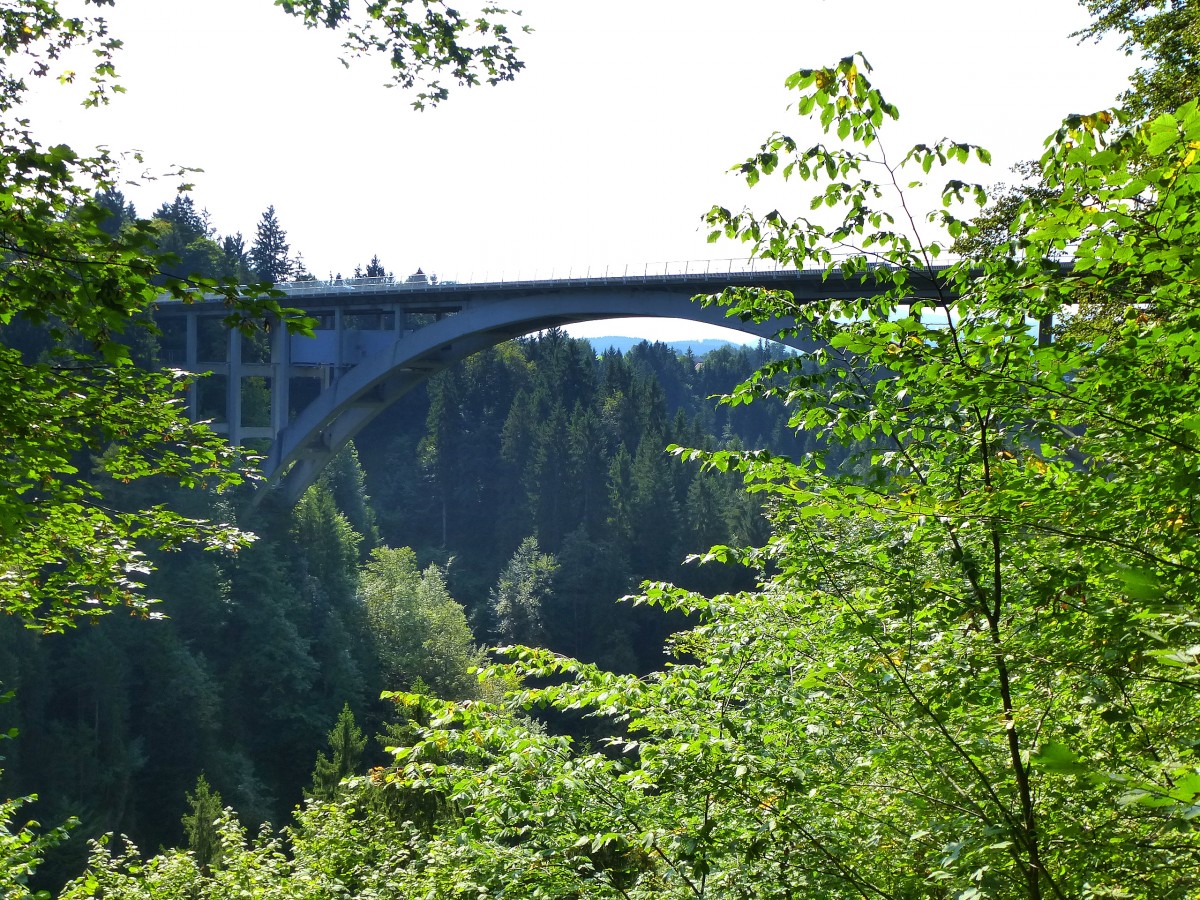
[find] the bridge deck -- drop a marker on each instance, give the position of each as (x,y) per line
(693,278)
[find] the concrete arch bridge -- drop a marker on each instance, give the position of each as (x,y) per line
(378,338)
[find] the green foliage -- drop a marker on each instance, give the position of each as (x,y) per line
(202,826)
(527,439)
(419,630)
(1022,510)
(422,43)
(328,541)
(524,588)
(346,745)
(970,664)
(235,259)
(248,867)
(347,481)
(269,255)
(1165,34)
(78,263)
(82,414)
(22,851)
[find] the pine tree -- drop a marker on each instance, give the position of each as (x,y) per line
(346,745)
(269,255)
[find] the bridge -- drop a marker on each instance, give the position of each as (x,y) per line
(301,399)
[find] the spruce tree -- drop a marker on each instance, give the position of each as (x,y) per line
(235,261)
(121,211)
(269,254)
(204,839)
(186,221)
(300,269)
(525,585)
(375,268)
(346,745)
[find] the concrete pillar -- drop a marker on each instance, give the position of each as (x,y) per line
(281,367)
(1046,330)
(192,364)
(233,402)
(339,339)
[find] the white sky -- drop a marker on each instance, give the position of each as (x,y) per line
(606,150)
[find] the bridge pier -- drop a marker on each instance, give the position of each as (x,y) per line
(233,388)
(191,344)
(281,378)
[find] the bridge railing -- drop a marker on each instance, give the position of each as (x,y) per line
(614,274)
(567,276)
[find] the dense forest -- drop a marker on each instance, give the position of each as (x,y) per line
(513,499)
(944,644)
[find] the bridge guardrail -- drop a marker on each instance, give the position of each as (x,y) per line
(621,274)
(609,274)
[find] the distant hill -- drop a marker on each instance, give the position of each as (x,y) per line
(623,344)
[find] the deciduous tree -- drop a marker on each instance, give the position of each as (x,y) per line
(423,43)
(968,668)
(419,630)
(84,412)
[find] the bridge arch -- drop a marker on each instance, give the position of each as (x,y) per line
(422,326)
(359,394)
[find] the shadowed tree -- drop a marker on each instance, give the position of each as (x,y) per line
(200,825)
(235,260)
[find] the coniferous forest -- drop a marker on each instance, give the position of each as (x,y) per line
(939,641)
(513,499)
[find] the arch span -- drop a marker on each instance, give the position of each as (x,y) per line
(302,449)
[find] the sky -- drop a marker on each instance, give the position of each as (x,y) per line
(604,152)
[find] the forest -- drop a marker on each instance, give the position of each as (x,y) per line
(937,637)
(513,500)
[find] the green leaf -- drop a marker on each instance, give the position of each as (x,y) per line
(1057,759)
